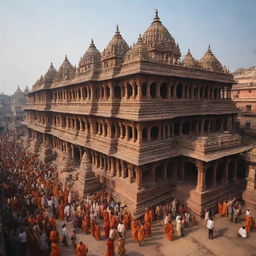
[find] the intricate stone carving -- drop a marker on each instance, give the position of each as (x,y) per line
(91,59)
(114,53)
(66,71)
(138,52)
(50,74)
(159,42)
(210,62)
(190,62)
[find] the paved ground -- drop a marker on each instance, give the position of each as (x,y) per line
(194,243)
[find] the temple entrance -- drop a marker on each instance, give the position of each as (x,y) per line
(190,173)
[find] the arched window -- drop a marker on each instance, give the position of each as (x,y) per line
(153,90)
(164,91)
(144,134)
(144,89)
(117,91)
(154,133)
(179,88)
(129,91)
(185,128)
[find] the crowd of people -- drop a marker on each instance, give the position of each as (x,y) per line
(38,208)
(232,209)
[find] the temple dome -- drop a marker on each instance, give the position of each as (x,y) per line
(117,47)
(91,56)
(210,62)
(138,51)
(189,61)
(50,74)
(66,70)
(157,38)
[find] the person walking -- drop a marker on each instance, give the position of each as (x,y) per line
(210,226)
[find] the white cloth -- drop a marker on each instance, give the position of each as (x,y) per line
(210,224)
(121,228)
(242,232)
(166,219)
(23,237)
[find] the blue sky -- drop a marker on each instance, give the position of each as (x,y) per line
(34,32)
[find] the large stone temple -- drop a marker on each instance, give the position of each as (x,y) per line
(141,122)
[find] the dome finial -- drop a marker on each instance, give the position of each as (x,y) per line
(117,31)
(156,16)
(188,50)
(92,43)
(209,48)
(66,57)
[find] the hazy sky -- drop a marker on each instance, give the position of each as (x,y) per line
(34,33)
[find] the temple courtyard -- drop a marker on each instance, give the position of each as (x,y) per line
(194,243)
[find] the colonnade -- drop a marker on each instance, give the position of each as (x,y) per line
(133,131)
(155,88)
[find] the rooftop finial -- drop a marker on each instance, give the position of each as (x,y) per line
(139,38)
(188,50)
(51,66)
(117,31)
(209,48)
(92,43)
(156,16)
(66,58)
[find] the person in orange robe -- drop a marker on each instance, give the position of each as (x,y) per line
(31,221)
(147,228)
(151,215)
(52,222)
(169,231)
(81,249)
(110,247)
(224,211)
(105,215)
(141,234)
(61,211)
(85,224)
(106,229)
(248,223)
(97,231)
(134,229)
(126,221)
(219,207)
(54,235)
(146,216)
(55,250)
(112,220)
(93,227)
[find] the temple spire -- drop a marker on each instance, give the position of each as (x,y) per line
(117,31)
(92,43)
(156,19)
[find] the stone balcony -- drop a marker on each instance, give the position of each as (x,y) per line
(211,143)
(140,110)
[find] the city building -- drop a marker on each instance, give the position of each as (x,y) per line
(244,96)
(141,122)
(11,112)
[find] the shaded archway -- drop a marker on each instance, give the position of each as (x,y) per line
(219,172)
(163,91)
(153,90)
(179,91)
(190,173)
(241,169)
(159,174)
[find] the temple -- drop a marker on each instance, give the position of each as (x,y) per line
(141,122)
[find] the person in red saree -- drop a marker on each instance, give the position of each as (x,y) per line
(110,247)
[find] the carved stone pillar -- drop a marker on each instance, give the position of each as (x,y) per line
(139,134)
(148,133)
(153,174)
(112,167)
(138,177)
(130,172)
(201,176)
